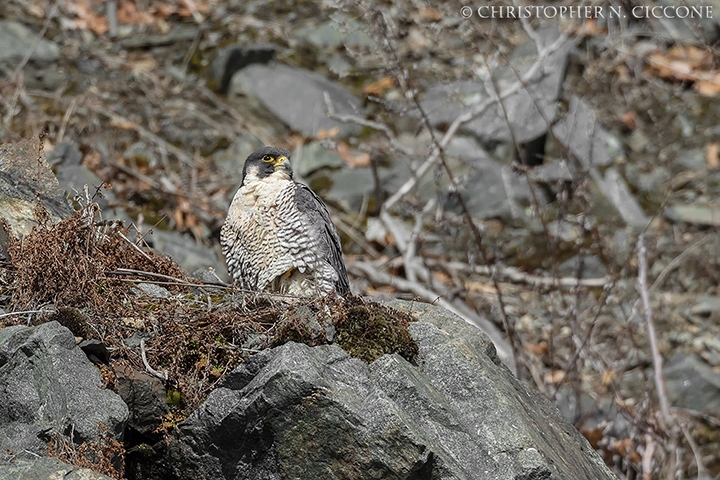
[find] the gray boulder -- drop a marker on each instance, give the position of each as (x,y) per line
(46,468)
(296,97)
(26,179)
(530,111)
(48,387)
(314,412)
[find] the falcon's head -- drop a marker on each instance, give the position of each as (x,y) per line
(265,162)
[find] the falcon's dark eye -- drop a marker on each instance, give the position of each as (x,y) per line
(267,158)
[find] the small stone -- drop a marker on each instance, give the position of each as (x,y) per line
(694,214)
(16,40)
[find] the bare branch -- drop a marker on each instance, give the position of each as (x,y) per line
(642,286)
(161,375)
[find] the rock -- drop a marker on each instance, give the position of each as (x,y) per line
(333,34)
(73,178)
(706,306)
(580,131)
(65,153)
(505,194)
(692,384)
(145,397)
(236,57)
(175,34)
(315,156)
(296,98)
(26,180)
(695,214)
(16,40)
(592,267)
(617,192)
(693,159)
(592,146)
(349,187)
(95,350)
(314,412)
(48,386)
(46,468)
(186,252)
(154,290)
(529,111)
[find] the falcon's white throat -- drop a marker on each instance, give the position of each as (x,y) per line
(251,176)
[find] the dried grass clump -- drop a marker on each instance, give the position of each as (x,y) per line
(70,263)
(105,455)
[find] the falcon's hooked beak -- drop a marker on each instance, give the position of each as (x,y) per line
(281,161)
(282,164)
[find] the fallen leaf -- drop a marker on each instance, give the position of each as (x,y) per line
(121,123)
(147,64)
(712,155)
(324,134)
(607,377)
(86,19)
(628,120)
(442,278)
(129,14)
(686,64)
(708,86)
(359,160)
(484,288)
(555,377)
(379,87)
(593,435)
(431,14)
(590,28)
(537,348)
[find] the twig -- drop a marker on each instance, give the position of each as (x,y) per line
(330,112)
(515,275)
(66,119)
(509,327)
(111,8)
(342,222)
(25,312)
(132,244)
(409,256)
(702,472)
(665,417)
(371,272)
(647,457)
(130,271)
(161,375)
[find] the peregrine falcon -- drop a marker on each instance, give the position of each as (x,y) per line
(278,236)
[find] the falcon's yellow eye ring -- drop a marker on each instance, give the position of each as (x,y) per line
(268,158)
